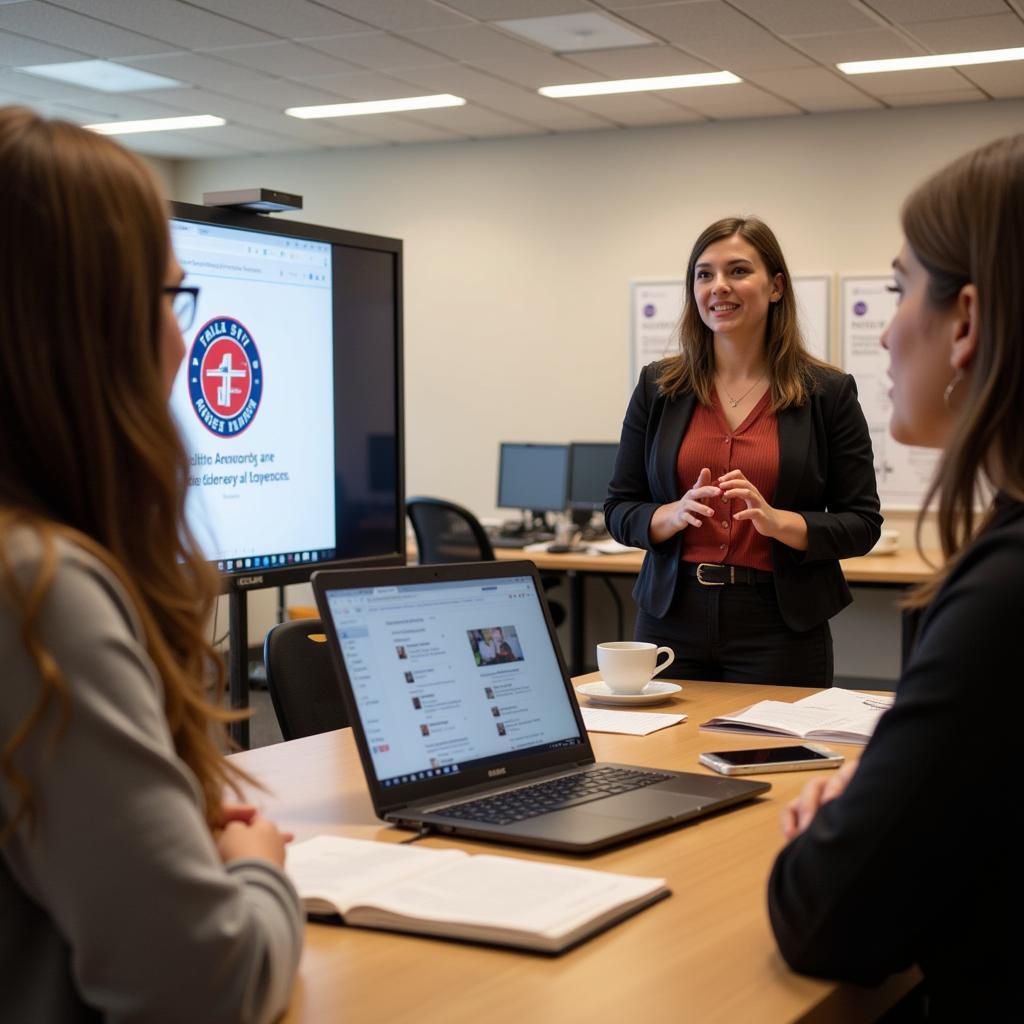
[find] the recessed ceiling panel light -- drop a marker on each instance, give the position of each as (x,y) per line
(156,124)
(444,99)
(575,33)
(932,60)
(640,84)
(104,75)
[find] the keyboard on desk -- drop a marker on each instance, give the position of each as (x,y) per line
(554,795)
(500,541)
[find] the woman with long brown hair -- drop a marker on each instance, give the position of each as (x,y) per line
(908,857)
(130,890)
(745,470)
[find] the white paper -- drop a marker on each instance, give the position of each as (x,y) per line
(903,472)
(630,723)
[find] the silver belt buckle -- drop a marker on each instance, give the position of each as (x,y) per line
(709,583)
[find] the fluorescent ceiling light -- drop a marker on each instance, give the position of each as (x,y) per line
(934,60)
(640,84)
(444,99)
(103,75)
(157,124)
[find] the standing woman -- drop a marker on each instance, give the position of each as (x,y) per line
(909,858)
(128,890)
(745,470)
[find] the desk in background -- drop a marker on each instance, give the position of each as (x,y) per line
(705,954)
(896,571)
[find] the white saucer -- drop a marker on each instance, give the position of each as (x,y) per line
(653,693)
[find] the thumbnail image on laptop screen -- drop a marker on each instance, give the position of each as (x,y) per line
(448,674)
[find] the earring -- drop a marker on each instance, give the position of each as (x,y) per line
(951,387)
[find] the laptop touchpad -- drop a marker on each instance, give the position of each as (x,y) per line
(647,805)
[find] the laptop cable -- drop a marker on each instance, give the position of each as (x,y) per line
(425,830)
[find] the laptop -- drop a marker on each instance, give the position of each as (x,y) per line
(466,720)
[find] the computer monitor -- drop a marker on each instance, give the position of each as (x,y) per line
(289,396)
(592,464)
(533,477)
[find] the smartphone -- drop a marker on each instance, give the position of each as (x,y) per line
(771,759)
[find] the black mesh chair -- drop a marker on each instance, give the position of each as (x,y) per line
(301,679)
(446,532)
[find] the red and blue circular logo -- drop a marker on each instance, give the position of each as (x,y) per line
(225,379)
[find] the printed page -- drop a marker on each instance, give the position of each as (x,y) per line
(340,870)
(502,893)
(631,723)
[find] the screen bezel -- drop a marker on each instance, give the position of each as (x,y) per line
(531,445)
(517,765)
(275,576)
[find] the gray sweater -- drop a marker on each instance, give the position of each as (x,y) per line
(117,907)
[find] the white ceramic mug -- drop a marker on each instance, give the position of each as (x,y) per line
(627,666)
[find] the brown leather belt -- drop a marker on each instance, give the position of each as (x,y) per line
(708,574)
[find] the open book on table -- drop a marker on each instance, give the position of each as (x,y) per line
(842,716)
(448,893)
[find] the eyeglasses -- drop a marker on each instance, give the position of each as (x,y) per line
(183,304)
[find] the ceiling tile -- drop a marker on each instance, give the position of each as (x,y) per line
(290,19)
(365,85)
(958,35)
(48,23)
(170,21)
(475,122)
(805,17)
(380,51)
(551,114)
(278,93)
(1003,81)
(475,43)
(927,99)
(904,83)
(728,101)
(197,68)
(289,60)
(634,109)
(537,70)
(717,33)
(18,51)
(930,10)
(400,15)
(813,89)
(641,62)
(178,145)
(505,10)
(395,128)
(874,44)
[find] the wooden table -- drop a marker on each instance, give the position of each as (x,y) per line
(704,955)
(899,570)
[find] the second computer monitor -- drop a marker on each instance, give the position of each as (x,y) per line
(592,464)
(533,477)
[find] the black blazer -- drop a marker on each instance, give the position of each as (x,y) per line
(826,473)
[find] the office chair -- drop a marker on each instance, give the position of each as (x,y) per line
(446,532)
(301,679)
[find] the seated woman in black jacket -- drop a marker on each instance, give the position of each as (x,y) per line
(908,857)
(745,469)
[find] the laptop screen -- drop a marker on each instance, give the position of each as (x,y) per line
(450,676)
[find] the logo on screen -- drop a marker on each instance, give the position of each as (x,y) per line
(225,379)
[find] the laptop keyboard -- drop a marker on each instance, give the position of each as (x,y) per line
(554,795)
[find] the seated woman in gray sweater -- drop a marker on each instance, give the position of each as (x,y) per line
(129,890)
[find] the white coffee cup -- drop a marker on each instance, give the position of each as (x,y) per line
(627,666)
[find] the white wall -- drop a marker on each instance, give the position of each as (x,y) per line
(519,252)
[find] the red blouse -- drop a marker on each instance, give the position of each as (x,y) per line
(752,448)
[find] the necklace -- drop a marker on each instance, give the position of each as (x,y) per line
(736,401)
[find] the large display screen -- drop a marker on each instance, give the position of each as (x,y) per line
(289,396)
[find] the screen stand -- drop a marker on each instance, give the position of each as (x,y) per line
(238,662)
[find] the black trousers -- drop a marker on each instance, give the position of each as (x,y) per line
(735,633)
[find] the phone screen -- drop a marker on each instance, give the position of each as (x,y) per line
(769,755)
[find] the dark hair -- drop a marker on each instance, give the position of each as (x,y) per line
(91,452)
(693,369)
(965,224)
